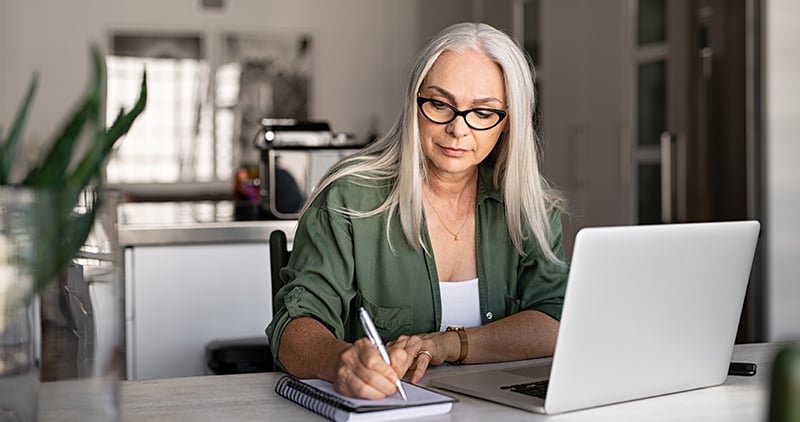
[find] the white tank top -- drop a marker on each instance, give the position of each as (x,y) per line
(460,303)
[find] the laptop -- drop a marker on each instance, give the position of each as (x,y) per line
(649,310)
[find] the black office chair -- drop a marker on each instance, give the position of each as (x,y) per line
(278,258)
(251,355)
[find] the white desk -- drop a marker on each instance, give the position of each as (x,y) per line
(251,397)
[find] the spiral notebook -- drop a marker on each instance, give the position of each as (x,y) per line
(319,396)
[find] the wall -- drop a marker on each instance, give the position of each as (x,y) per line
(435,15)
(782,134)
(363,50)
(583,75)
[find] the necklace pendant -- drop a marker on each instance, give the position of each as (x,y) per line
(455,237)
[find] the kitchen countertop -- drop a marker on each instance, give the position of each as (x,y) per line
(202,222)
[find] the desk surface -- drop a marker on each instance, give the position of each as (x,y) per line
(251,397)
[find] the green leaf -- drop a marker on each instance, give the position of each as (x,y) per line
(8,149)
(65,229)
(52,170)
(99,64)
(124,121)
(91,164)
(68,235)
(47,236)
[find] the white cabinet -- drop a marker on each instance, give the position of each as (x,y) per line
(181,297)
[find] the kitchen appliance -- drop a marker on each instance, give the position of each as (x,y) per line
(294,156)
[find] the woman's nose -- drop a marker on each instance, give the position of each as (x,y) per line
(458,127)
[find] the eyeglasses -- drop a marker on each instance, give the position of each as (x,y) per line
(476,118)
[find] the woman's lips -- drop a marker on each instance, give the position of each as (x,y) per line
(452,152)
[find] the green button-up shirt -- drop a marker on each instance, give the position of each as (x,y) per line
(339,263)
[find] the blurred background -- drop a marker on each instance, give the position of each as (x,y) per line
(650,111)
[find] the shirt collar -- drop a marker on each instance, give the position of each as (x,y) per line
(486,188)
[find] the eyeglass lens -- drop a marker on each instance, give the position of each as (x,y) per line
(443,113)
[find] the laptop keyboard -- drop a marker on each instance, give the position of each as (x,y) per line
(536,389)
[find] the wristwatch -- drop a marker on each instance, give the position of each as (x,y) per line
(462,337)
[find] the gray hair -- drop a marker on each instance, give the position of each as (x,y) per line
(398,159)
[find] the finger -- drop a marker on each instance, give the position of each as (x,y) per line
(350,385)
(410,371)
(359,372)
(401,359)
(411,345)
(433,343)
(369,357)
(403,342)
(421,364)
(373,370)
(400,340)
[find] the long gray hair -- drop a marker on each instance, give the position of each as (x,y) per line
(398,159)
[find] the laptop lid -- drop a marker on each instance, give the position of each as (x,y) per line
(649,310)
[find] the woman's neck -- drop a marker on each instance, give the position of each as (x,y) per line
(452,187)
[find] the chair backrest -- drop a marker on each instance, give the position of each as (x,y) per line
(278,258)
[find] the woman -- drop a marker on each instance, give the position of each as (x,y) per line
(443,222)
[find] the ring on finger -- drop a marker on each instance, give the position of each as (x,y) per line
(425,352)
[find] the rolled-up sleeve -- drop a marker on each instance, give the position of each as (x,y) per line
(543,282)
(318,279)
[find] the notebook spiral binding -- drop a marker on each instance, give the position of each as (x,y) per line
(317,401)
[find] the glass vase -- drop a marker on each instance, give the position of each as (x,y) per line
(82,317)
(22,215)
(66,339)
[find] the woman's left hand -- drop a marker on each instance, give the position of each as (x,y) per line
(425,350)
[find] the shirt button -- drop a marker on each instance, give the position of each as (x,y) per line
(489,315)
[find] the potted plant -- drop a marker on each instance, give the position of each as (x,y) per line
(42,230)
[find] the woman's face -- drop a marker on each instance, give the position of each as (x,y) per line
(464,80)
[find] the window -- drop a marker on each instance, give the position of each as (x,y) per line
(198,125)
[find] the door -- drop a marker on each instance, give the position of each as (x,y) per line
(694,158)
(645,113)
(700,139)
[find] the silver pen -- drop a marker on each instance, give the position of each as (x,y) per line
(375,338)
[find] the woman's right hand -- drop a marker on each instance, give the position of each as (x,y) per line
(363,373)
(309,350)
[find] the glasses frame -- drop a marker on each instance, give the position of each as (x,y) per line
(462,113)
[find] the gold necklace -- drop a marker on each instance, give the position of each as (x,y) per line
(441,220)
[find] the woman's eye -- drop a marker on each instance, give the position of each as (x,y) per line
(484,114)
(439,105)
